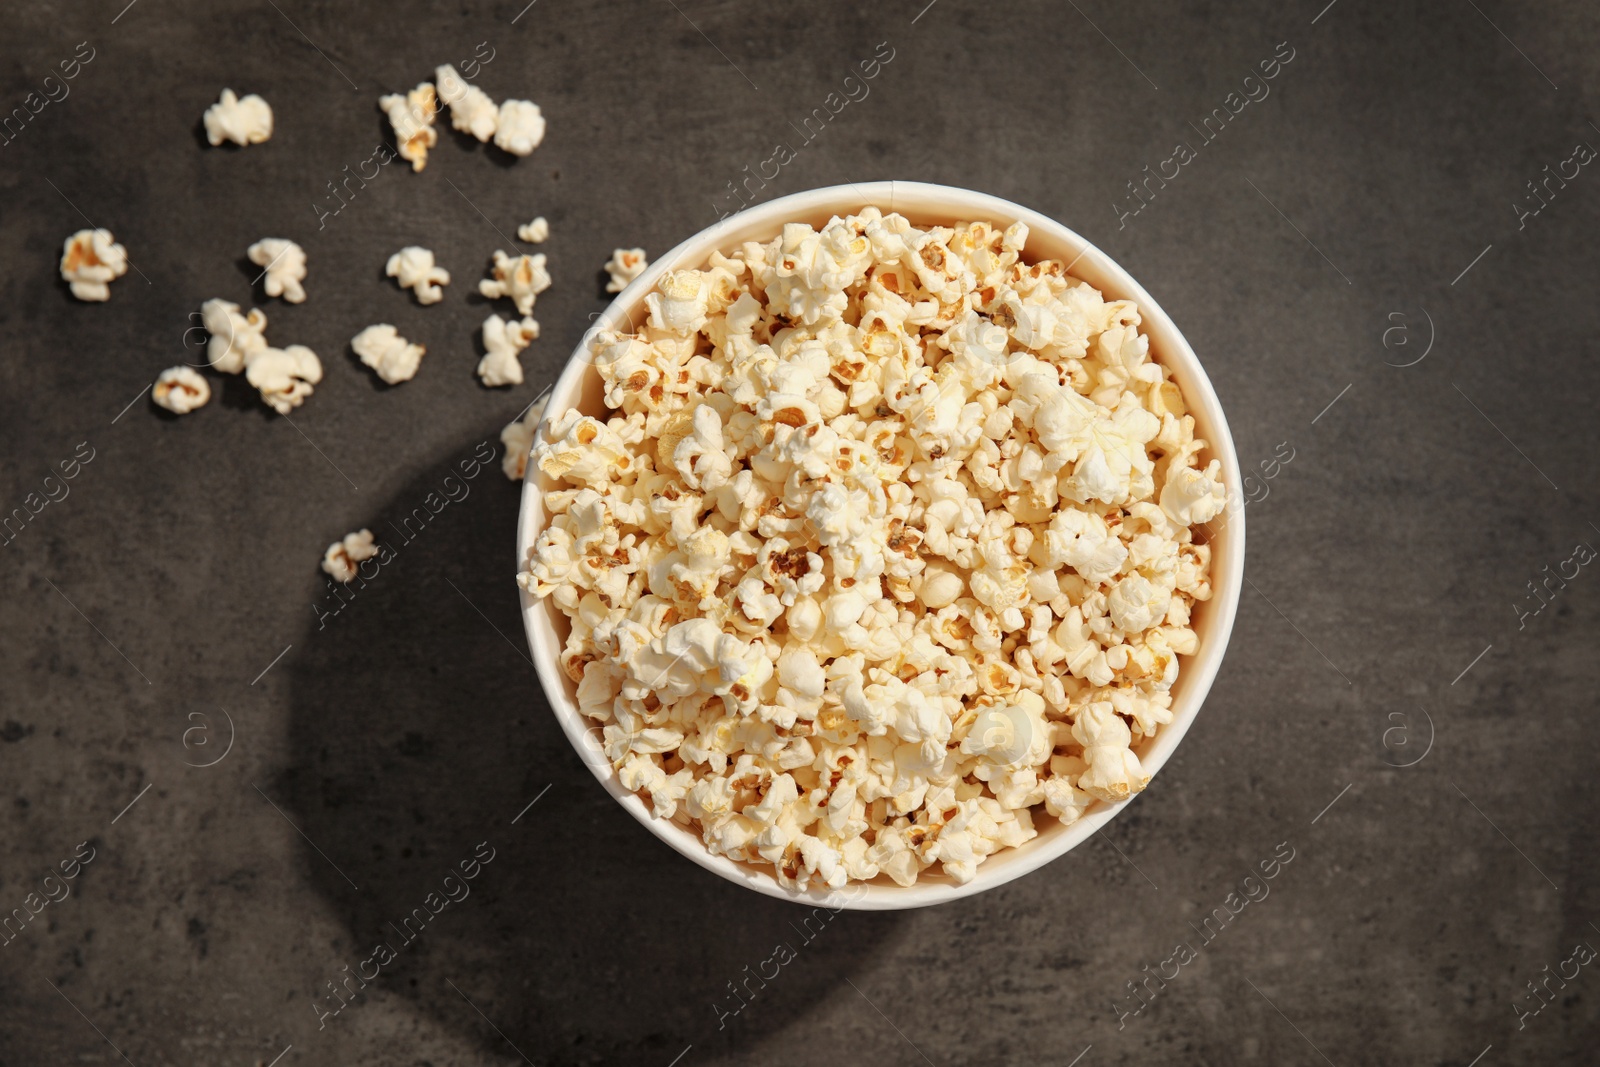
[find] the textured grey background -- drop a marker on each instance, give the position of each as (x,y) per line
(1389,556)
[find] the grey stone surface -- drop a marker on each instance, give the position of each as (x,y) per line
(382,746)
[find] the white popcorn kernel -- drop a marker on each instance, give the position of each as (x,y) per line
(535,232)
(681,305)
(471,110)
(383,349)
(521,278)
(342,556)
(411,117)
(180,390)
(90,261)
(805,618)
(284,264)
(1082,541)
(235,338)
(414,269)
(1136,603)
(624,266)
(1062,798)
(518,436)
(940,587)
(1193,496)
(1113,771)
(242,120)
(284,376)
(502,341)
(519,127)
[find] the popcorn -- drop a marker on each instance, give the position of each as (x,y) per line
(471,110)
(90,261)
(180,390)
(235,338)
(1191,496)
(413,268)
(342,556)
(521,279)
(284,376)
(1113,772)
(535,232)
(411,117)
(518,438)
(519,127)
(624,266)
(502,341)
(383,349)
(882,548)
(284,264)
(242,121)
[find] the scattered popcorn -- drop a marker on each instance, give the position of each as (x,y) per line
(284,264)
(624,266)
(413,268)
(521,279)
(885,547)
(383,349)
(535,232)
(411,117)
(519,128)
(471,110)
(284,376)
(342,556)
(234,337)
(242,121)
(180,390)
(502,341)
(90,261)
(518,438)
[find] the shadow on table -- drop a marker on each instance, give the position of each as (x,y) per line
(419,733)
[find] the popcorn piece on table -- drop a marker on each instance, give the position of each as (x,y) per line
(234,337)
(284,264)
(519,127)
(624,266)
(471,110)
(180,390)
(90,261)
(502,342)
(284,376)
(521,278)
(535,232)
(518,438)
(383,349)
(242,120)
(414,269)
(411,117)
(342,556)
(883,548)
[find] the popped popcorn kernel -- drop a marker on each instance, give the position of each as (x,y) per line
(283,263)
(90,261)
(411,117)
(180,390)
(413,268)
(502,342)
(340,560)
(535,232)
(284,376)
(624,266)
(518,278)
(391,356)
(242,120)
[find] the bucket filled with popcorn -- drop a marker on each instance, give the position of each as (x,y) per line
(879,544)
